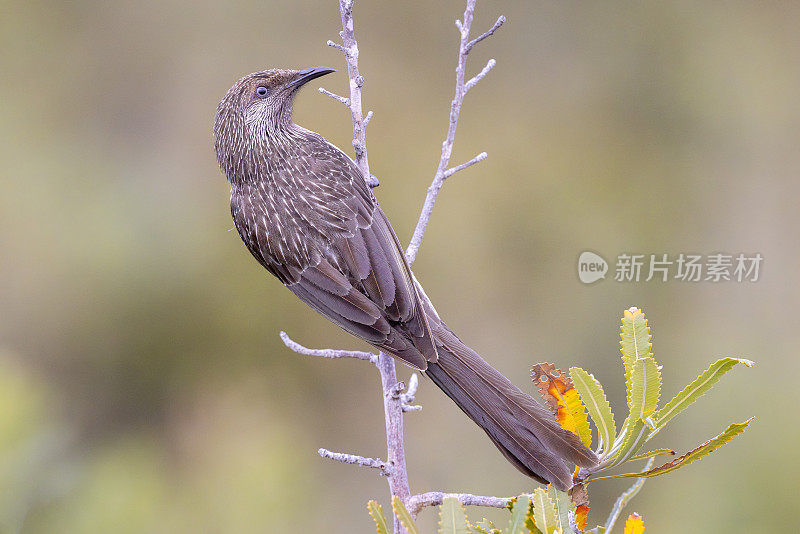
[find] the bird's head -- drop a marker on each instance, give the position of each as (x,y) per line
(256,107)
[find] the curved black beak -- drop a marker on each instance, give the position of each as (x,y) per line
(306,75)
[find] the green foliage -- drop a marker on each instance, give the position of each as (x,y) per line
(646,388)
(643,381)
(695,454)
(547,512)
(403,515)
(650,454)
(564,506)
(634,343)
(596,402)
(486,527)
(519,514)
(376,511)
(645,419)
(544,511)
(452,519)
(696,389)
(550,511)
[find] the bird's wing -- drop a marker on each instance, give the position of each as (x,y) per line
(322,233)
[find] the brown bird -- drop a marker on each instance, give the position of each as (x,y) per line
(304,210)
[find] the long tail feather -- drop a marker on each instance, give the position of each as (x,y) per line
(525,431)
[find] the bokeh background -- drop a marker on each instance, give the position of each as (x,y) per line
(143,386)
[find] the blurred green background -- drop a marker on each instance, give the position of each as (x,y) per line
(143,386)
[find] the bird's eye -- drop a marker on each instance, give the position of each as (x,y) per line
(262,91)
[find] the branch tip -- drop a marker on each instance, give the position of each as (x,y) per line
(478,77)
(461,89)
(354,459)
(326,353)
(477,159)
(338,47)
(338,98)
(500,20)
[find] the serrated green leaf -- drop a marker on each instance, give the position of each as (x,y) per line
(695,454)
(481,527)
(544,511)
(376,511)
(596,402)
(452,519)
(645,388)
(516,523)
(634,342)
(696,389)
(563,504)
(485,527)
(650,454)
(643,400)
(403,515)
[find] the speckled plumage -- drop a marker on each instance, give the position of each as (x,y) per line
(305,212)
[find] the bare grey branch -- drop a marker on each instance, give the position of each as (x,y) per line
(413,383)
(350,49)
(478,77)
(434,498)
(392,407)
(396,402)
(396,391)
(355,459)
(452,170)
(455,110)
(338,98)
(327,353)
(500,20)
(338,47)
(408,397)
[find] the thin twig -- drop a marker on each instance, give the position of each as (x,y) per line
(500,20)
(478,77)
(338,98)
(434,498)
(409,394)
(338,47)
(355,459)
(349,47)
(625,498)
(461,89)
(452,170)
(327,353)
(408,397)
